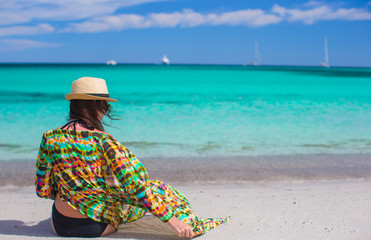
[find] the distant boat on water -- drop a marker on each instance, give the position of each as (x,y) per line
(111,62)
(257,58)
(165,60)
(325,62)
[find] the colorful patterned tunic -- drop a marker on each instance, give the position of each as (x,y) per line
(96,175)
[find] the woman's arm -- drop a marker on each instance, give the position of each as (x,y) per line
(120,160)
(44,177)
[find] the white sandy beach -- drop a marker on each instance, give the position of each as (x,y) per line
(259,210)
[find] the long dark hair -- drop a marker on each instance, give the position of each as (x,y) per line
(90,111)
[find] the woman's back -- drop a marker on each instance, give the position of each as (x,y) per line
(74,165)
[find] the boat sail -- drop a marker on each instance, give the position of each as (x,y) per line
(165,60)
(325,62)
(257,58)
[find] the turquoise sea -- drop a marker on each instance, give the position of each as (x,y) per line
(197,110)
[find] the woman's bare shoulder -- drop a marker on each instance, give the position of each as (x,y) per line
(98,131)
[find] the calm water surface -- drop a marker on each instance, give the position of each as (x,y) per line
(191,111)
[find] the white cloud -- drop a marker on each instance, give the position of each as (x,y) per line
(7,18)
(26,30)
(249,17)
(186,18)
(281,11)
(22,11)
(22,44)
(110,23)
(102,15)
(320,13)
(350,14)
(313,11)
(307,16)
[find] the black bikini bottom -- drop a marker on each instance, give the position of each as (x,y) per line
(76,227)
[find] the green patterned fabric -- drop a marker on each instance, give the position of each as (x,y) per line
(96,175)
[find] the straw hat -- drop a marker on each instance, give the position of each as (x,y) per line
(89,88)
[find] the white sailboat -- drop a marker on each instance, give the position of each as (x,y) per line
(257,58)
(165,60)
(111,62)
(325,62)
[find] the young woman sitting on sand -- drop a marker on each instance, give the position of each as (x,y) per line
(96,183)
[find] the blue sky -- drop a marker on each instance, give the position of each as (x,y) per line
(188,31)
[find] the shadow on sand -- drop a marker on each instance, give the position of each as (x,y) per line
(146,228)
(19,228)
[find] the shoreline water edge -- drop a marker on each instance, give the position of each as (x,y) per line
(227,170)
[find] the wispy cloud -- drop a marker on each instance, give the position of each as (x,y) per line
(248,17)
(22,44)
(186,18)
(22,11)
(84,16)
(320,13)
(309,13)
(26,30)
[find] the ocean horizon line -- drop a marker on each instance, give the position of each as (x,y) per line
(182,64)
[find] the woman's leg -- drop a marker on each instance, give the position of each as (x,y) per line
(182,209)
(109,230)
(51,220)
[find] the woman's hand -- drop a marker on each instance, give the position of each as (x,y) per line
(182,228)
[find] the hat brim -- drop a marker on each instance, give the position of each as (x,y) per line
(82,96)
